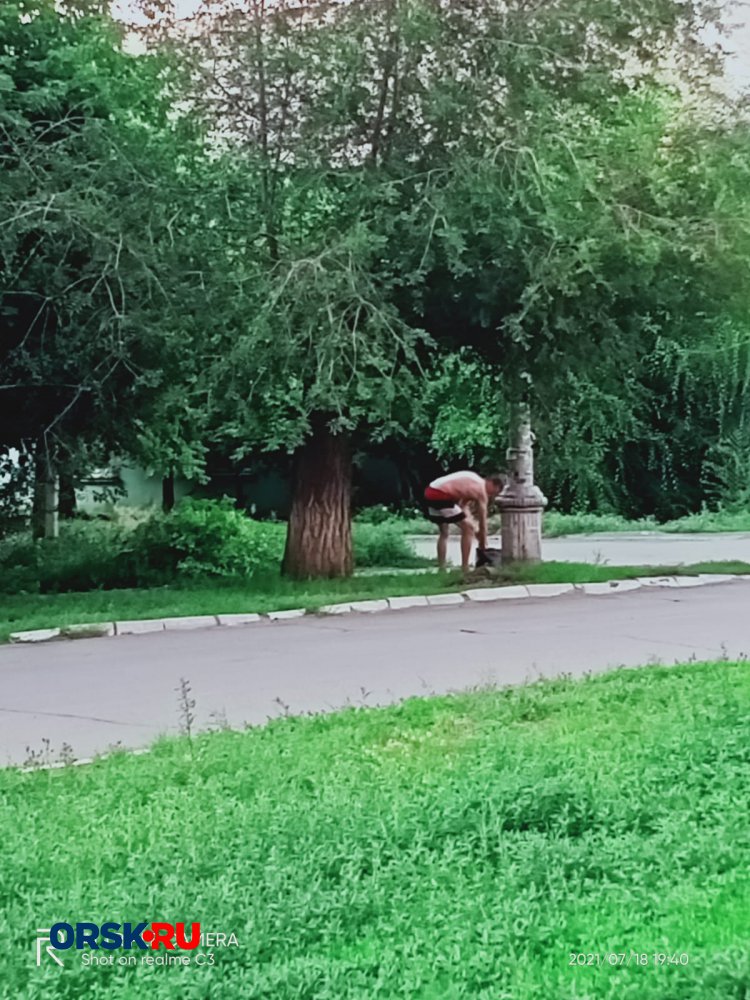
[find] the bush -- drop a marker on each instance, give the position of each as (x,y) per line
(382,545)
(204,538)
(86,556)
(555,523)
(199,538)
(407,521)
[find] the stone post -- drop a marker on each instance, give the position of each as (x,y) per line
(44,515)
(521,502)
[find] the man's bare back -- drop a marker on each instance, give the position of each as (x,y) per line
(461,498)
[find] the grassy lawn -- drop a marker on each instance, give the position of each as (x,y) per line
(459,847)
(30,611)
(555,525)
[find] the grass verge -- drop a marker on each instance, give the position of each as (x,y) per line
(461,847)
(31,611)
(555,525)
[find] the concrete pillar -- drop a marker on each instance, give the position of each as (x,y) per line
(46,498)
(521,503)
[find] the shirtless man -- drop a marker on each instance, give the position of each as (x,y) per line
(461,498)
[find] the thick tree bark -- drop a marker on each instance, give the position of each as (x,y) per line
(44,510)
(319,539)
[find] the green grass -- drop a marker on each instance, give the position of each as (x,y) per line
(453,848)
(555,524)
(570,572)
(31,611)
(271,593)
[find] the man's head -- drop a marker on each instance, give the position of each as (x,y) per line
(494,484)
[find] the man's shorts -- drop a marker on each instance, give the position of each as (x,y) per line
(440,508)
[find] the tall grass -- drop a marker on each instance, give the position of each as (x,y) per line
(461,847)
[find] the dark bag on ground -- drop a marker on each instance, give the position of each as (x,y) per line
(488,557)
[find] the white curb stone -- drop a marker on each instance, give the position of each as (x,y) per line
(395,603)
(440,599)
(238,619)
(610,587)
(191,621)
(38,635)
(88,631)
(278,616)
(496,593)
(370,606)
(481,594)
(139,627)
(549,589)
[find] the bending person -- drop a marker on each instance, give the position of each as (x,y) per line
(461,498)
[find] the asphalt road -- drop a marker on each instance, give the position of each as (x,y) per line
(92,693)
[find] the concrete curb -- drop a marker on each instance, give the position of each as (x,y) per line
(474,595)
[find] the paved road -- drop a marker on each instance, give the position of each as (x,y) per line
(627,549)
(94,692)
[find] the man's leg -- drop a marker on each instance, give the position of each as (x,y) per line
(467,541)
(443,530)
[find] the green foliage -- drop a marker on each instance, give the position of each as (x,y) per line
(86,556)
(271,592)
(599,276)
(556,523)
(496,832)
(406,521)
(190,596)
(382,544)
(467,206)
(204,538)
(94,290)
(199,538)
(710,521)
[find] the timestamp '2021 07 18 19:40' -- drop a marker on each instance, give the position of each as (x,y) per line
(615,958)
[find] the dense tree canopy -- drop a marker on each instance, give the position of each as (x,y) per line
(92,274)
(404,216)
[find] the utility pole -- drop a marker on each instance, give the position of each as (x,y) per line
(46,500)
(521,503)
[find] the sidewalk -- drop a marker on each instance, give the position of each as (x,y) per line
(615,549)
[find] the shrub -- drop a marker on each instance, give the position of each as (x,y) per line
(204,538)
(199,538)
(86,556)
(378,514)
(407,521)
(382,545)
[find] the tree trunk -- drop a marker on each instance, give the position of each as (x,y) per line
(319,538)
(44,510)
(167,493)
(521,502)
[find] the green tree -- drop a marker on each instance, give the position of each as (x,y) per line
(461,169)
(600,258)
(92,274)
